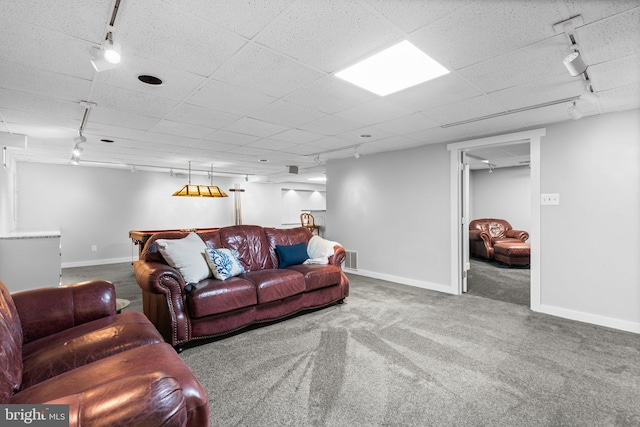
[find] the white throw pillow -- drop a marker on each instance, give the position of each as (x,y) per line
(187,255)
(224,263)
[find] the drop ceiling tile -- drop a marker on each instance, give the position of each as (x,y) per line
(302,150)
(619,99)
(258,68)
(41,48)
(618,73)
(244,17)
(287,114)
(415,14)
(377,111)
(177,84)
(97,131)
(331,125)
(408,124)
(297,136)
(40,105)
(355,32)
(330,95)
(441,91)
(254,127)
(36,81)
(271,144)
(115,98)
(504,26)
(540,91)
(229,98)
(200,116)
(249,151)
(180,129)
(214,146)
(610,38)
(355,137)
(163,138)
(228,137)
(464,110)
(521,66)
(170,36)
(395,142)
(330,143)
(83,20)
(119,119)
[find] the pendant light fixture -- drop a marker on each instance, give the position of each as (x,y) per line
(200,190)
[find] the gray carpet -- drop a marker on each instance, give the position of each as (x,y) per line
(494,280)
(394,355)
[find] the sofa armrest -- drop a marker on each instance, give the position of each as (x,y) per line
(518,234)
(475,234)
(339,254)
(155,277)
(152,399)
(46,311)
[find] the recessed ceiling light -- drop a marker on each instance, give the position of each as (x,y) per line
(264,160)
(401,66)
(107,140)
(150,80)
(365,135)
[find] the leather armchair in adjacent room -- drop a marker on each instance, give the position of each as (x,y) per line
(484,233)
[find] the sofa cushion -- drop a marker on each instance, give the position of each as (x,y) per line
(60,352)
(217,296)
(10,346)
(285,237)
(187,256)
(318,276)
(292,254)
(273,285)
(250,244)
(223,263)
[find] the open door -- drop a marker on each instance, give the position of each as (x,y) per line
(464,220)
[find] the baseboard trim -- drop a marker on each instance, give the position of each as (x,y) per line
(609,322)
(403,281)
(95,262)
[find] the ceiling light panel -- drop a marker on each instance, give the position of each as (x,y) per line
(399,67)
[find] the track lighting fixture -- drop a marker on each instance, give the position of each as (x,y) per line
(574,112)
(108,55)
(574,63)
(75,160)
(356,155)
(77,150)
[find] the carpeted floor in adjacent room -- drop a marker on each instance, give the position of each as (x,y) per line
(395,355)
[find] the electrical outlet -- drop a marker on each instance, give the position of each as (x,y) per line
(550,199)
(94,248)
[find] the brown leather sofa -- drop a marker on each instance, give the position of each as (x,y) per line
(263,293)
(485,233)
(68,346)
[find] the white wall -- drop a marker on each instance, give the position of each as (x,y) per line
(590,256)
(7,223)
(393,209)
(503,194)
(98,206)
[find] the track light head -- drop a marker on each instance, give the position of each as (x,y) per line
(574,112)
(574,63)
(77,150)
(111,50)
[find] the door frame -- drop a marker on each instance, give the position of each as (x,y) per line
(457,242)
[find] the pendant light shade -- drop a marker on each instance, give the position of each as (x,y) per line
(200,190)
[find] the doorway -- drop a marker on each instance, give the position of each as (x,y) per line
(460,262)
(499,187)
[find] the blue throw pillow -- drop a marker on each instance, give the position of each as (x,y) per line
(292,255)
(223,263)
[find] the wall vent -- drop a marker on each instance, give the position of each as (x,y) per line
(351,260)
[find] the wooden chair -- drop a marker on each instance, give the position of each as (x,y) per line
(309,222)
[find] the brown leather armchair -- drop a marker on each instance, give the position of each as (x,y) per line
(486,232)
(68,346)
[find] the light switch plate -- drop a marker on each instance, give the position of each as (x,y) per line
(550,199)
